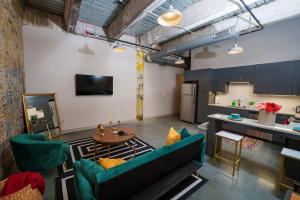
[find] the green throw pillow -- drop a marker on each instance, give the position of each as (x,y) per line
(90,169)
(184,133)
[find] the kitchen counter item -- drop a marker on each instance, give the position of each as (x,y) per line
(266,118)
(297,128)
(297,109)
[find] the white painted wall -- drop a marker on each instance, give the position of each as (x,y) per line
(277,42)
(52,59)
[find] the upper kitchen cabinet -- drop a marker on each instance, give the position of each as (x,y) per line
(274,78)
(240,74)
(220,80)
(202,76)
(192,75)
(283,78)
(296,81)
(263,78)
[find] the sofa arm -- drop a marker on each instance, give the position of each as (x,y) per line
(201,156)
(83,187)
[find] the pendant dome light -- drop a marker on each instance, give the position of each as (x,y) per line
(236,49)
(171,17)
(179,61)
(118,48)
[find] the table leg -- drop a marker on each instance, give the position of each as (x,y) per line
(95,150)
(132,147)
(108,149)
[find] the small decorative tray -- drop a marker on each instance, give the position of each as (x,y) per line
(239,119)
(296,128)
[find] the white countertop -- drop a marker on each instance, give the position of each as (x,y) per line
(250,109)
(254,123)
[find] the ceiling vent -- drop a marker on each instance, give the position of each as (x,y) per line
(222,33)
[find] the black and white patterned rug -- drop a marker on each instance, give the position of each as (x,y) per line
(84,148)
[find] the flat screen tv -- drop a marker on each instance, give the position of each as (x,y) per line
(93,85)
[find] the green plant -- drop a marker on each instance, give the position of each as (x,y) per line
(251,103)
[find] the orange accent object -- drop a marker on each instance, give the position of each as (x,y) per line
(108,163)
(172,137)
(295,196)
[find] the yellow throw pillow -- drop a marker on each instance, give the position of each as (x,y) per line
(107,163)
(172,137)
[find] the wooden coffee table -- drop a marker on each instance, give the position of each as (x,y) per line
(112,139)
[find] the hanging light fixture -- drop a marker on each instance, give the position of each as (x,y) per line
(179,61)
(118,48)
(236,49)
(171,17)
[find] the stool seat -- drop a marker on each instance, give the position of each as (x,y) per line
(291,153)
(230,136)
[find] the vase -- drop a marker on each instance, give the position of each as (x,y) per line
(266,118)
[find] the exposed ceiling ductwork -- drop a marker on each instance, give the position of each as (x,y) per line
(205,36)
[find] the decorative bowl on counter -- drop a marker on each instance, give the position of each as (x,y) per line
(296,128)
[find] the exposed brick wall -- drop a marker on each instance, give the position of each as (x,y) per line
(11,79)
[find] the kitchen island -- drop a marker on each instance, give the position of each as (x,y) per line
(282,135)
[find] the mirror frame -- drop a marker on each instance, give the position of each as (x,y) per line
(29,130)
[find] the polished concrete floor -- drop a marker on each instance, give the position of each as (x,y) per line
(255,180)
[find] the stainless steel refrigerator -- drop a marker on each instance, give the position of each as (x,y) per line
(188,102)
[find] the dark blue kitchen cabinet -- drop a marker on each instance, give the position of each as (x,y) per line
(263,78)
(240,74)
(192,75)
(296,79)
(283,78)
(274,78)
(220,80)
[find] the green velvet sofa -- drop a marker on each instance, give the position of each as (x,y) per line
(146,177)
(33,152)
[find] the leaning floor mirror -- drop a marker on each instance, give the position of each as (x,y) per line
(42,114)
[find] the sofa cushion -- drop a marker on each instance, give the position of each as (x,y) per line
(91,169)
(108,163)
(172,137)
(184,133)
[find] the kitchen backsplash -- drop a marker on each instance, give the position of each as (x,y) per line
(244,92)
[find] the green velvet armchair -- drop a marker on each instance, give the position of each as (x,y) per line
(33,153)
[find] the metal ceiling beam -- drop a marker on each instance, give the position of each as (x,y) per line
(130,12)
(72,8)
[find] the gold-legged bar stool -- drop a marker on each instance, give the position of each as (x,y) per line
(292,154)
(234,159)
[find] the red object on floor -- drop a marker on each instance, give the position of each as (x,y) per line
(16,182)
